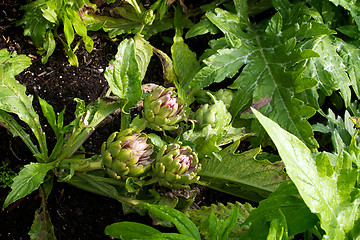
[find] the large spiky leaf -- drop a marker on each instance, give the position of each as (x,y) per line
(268,58)
(241,174)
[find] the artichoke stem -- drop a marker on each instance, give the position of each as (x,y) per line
(89,167)
(110,181)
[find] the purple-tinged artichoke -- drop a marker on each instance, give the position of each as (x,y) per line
(127,155)
(163,109)
(176,166)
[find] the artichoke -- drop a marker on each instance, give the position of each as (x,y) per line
(224,95)
(127,155)
(176,166)
(163,109)
(215,114)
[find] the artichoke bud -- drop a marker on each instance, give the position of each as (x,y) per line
(216,115)
(225,95)
(163,109)
(126,154)
(176,166)
(148,17)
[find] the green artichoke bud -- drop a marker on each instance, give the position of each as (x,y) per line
(225,95)
(163,109)
(127,155)
(176,166)
(216,115)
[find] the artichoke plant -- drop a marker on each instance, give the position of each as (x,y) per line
(163,109)
(176,166)
(127,155)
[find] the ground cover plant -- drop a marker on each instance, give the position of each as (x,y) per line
(267,114)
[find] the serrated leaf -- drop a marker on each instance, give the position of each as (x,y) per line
(341,130)
(28,180)
(328,192)
(130,230)
(185,61)
(240,174)
(201,217)
(350,56)
(270,61)
(183,224)
(126,72)
(13,98)
(329,68)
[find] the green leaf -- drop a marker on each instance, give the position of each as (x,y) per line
(28,180)
(185,62)
(49,46)
(50,115)
(240,174)
(49,13)
(352,7)
(17,131)
(72,58)
(77,22)
(341,130)
(328,192)
(126,72)
(287,200)
(87,119)
(202,218)
(13,98)
(168,236)
(329,68)
(228,225)
(42,228)
(350,55)
(278,228)
(68,30)
(268,59)
(183,224)
(202,27)
(143,54)
(130,230)
(35,25)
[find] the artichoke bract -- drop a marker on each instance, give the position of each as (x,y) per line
(163,109)
(127,155)
(176,166)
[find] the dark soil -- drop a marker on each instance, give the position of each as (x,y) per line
(75,214)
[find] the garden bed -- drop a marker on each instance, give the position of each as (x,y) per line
(75,213)
(220,120)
